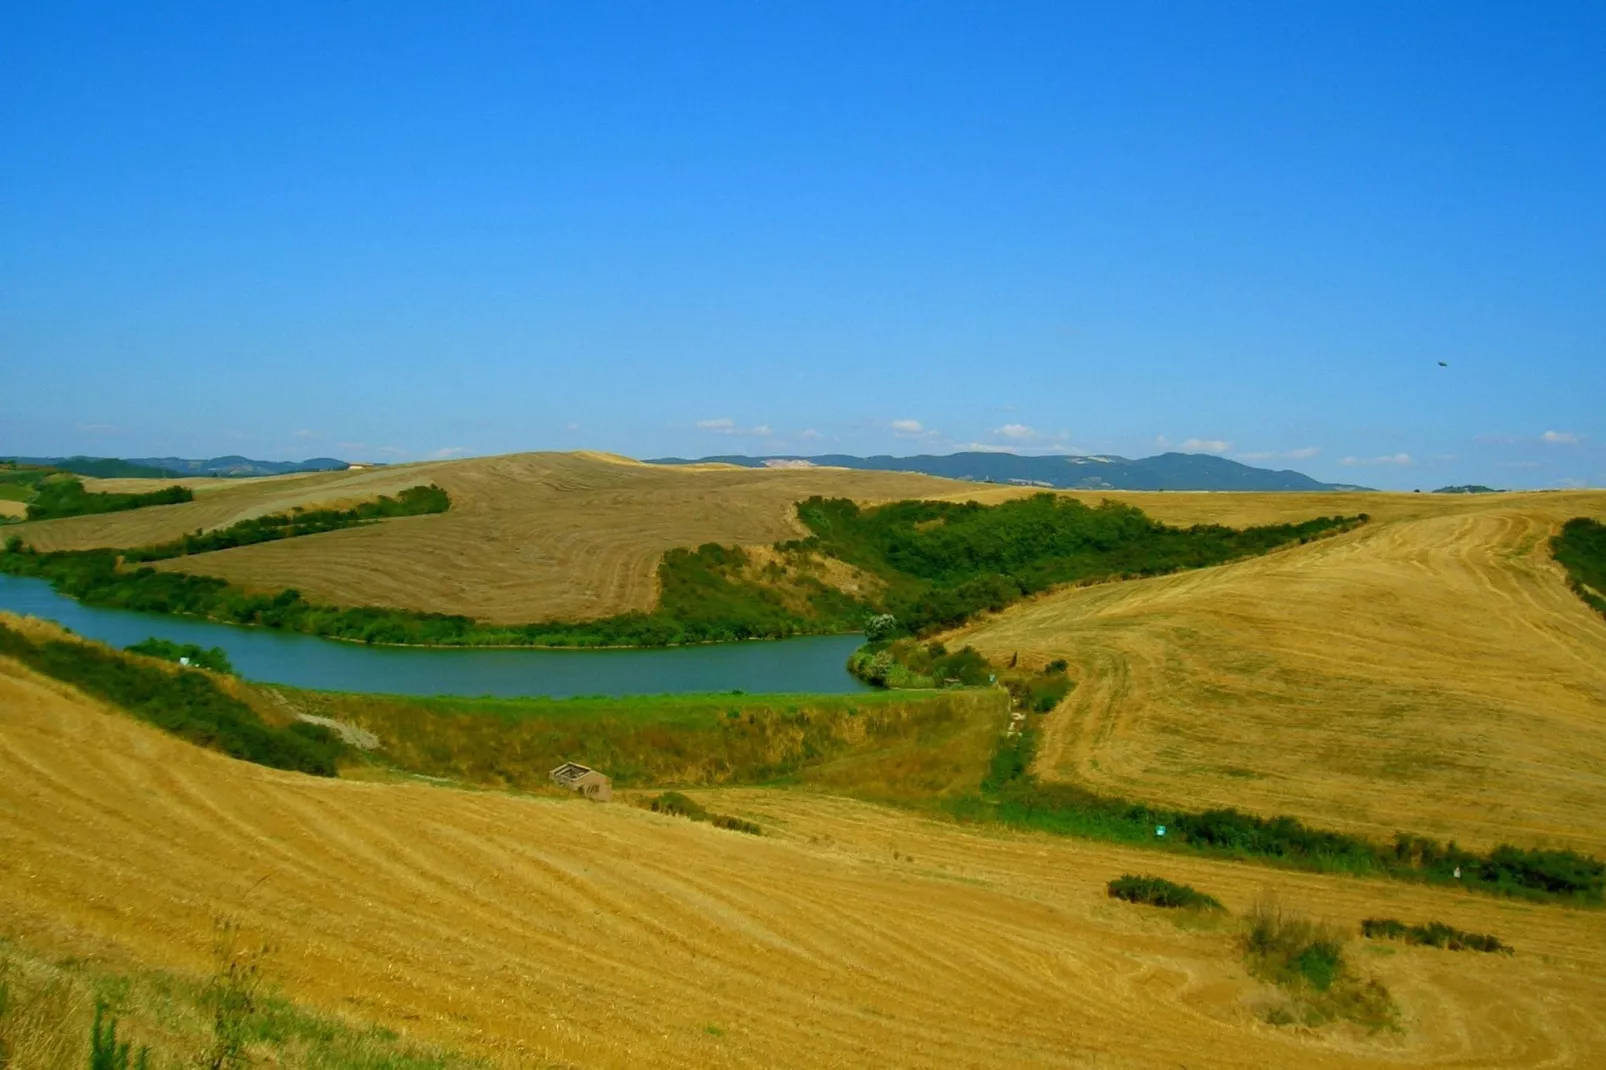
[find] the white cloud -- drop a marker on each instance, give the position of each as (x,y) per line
(1018,432)
(304,433)
(1572,484)
(1392,458)
(1304,453)
(572,427)
(1206,445)
(810,433)
(1162,442)
(910,429)
(448,451)
(726,426)
(980,447)
(1565,438)
(394,451)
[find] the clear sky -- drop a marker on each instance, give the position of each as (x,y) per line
(392,231)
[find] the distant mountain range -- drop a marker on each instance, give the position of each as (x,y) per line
(171,467)
(1168,471)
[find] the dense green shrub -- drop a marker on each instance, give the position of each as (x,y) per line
(1307,961)
(1433,934)
(105,1053)
(1159,892)
(214,658)
(1011,795)
(678,805)
(1581,549)
(414,501)
(56,498)
(187,704)
(943,562)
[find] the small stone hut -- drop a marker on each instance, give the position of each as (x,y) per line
(583,779)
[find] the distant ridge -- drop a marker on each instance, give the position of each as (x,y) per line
(1168,471)
(169,467)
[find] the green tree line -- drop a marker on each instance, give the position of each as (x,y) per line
(943,562)
(414,501)
(56,498)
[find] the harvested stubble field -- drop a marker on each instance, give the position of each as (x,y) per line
(1430,672)
(529,537)
(543,932)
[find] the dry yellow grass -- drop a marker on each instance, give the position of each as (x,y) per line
(545,932)
(529,536)
(1430,672)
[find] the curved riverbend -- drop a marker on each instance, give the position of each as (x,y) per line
(812,664)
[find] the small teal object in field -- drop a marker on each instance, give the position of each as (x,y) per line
(1159,830)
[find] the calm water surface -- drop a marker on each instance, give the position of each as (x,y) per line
(811,664)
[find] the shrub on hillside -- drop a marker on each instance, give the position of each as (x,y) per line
(1159,892)
(1306,959)
(678,805)
(1433,934)
(214,658)
(187,704)
(60,497)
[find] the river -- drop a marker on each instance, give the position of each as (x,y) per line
(812,664)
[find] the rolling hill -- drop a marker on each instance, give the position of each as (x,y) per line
(1168,471)
(555,932)
(528,536)
(1430,672)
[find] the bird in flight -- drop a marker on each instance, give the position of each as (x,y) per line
(1444,364)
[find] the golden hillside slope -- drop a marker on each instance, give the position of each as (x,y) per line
(528,537)
(1430,672)
(554,932)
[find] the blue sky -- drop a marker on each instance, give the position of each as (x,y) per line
(405,230)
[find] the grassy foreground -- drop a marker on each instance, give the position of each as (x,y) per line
(53,1012)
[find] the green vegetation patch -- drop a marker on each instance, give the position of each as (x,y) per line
(943,562)
(214,658)
(648,741)
(187,704)
(1011,795)
(61,497)
(1307,961)
(414,501)
(233,1019)
(1580,548)
(1159,892)
(1433,934)
(673,802)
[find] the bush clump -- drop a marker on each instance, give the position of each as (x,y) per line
(214,658)
(1580,548)
(1159,892)
(1306,960)
(1434,934)
(678,805)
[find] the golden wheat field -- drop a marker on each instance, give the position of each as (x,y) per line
(547,932)
(1429,672)
(528,537)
